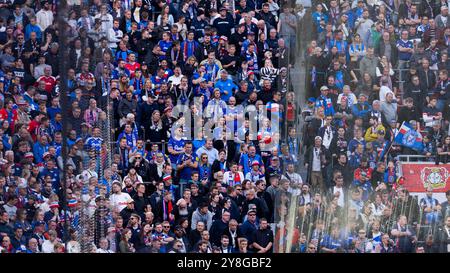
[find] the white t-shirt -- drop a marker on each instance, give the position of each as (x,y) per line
(48,247)
(316,166)
(341,201)
(119,200)
(384,90)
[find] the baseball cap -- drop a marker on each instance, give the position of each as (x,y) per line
(38,223)
(99,198)
(323,88)
(178,227)
(251,211)
(167,177)
(255,163)
(311,99)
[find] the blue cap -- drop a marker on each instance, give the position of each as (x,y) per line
(38,223)
(18,226)
(311,99)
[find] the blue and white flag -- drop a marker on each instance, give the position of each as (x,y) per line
(408,137)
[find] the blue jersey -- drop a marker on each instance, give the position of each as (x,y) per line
(165,46)
(226,85)
(54,174)
(131,138)
(95,143)
(204,171)
(327,104)
(317,17)
(186,172)
(331,243)
(404,56)
(178,146)
(246,162)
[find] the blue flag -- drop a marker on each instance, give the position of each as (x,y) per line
(409,137)
(384,149)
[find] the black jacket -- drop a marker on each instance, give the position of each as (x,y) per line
(217,229)
(442,240)
(263,238)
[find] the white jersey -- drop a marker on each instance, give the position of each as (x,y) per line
(119,200)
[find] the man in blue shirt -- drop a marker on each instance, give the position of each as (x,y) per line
(95,141)
(175,146)
(324,101)
(186,163)
(405,49)
(246,161)
(225,85)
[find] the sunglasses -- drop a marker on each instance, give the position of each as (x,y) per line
(166,226)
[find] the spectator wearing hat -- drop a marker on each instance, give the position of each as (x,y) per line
(119,200)
(18,240)
(250,226)
(223,23)
(127,212)
(38,233)
(317,158)
(255,174)
(324,101)
(442,18)
(275,167)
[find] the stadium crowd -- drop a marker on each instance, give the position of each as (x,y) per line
(142,177)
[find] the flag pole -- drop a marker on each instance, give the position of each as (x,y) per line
(390,146)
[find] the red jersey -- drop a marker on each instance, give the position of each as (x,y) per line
(10,116)
(82,78)
(290,112)
(32,127)
(50,83)
(132,67)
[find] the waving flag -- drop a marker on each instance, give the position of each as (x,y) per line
(383,149)
(409,137)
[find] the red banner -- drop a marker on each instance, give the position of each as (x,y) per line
(418,177)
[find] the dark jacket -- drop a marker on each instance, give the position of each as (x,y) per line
(442,240)
(324,154)
(217,229)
